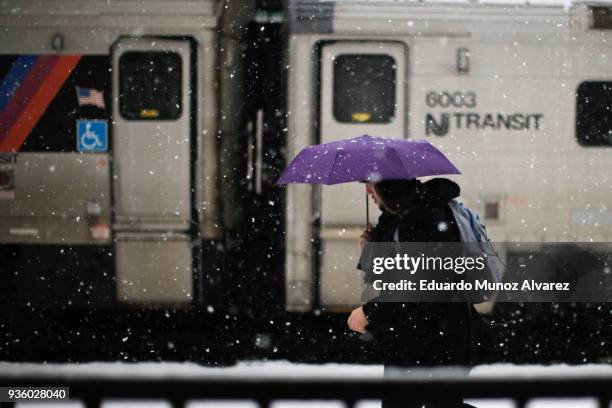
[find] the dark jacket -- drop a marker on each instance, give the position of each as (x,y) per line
(427,334)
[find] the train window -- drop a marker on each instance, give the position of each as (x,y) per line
(601,18)
(364,88)
(150,85)
(594,114)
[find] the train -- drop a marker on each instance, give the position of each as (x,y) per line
(140,144)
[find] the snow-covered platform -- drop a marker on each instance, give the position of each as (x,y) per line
(285,369)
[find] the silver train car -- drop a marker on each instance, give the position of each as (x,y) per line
(112,146)
(516,95)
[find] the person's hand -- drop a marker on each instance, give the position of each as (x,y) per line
(358,321)
(365,236)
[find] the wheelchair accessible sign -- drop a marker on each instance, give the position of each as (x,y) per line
(92,135)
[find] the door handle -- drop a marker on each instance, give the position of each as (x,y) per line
(258,150)
(255,153)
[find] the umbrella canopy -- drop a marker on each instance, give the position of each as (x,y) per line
(366,158)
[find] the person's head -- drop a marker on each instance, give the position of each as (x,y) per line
(391,194)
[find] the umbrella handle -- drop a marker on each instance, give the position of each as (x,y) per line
(367,210)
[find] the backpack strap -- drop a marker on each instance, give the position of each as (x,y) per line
(473,223)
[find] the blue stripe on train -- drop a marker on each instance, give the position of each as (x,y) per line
(11,81)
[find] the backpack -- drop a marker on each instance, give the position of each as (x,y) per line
(472,230)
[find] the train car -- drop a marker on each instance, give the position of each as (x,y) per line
(516,95)
(112,147)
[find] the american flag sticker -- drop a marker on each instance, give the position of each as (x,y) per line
(90,96)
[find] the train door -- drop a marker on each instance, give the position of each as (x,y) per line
(152,170)
(362,92)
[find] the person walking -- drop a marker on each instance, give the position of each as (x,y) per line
(409,334)
(423,334)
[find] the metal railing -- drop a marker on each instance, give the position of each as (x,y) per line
(178,391)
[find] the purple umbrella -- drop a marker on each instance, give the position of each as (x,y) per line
(366,158)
